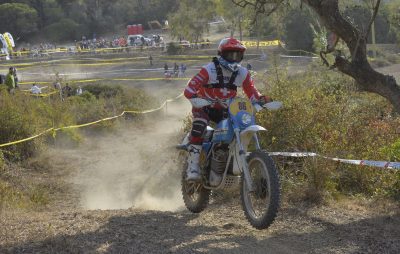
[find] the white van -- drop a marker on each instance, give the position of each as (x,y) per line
(138,40)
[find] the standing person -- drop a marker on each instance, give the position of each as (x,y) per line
(79,91)
(151,60)
(67,90)
(183,67)
(180,73)
(249,67)
(2,79)
(166,70)
(15,77)
(57,86)
(218,82)
(10,82)
(176,69)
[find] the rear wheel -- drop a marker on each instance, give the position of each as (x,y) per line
(261,205)
(195,196)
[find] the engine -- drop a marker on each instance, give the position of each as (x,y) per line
(218,164)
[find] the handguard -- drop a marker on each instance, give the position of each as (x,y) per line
(274,105)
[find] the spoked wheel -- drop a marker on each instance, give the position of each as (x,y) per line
(261,205)
(195,196)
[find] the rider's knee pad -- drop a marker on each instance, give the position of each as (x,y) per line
(198,128)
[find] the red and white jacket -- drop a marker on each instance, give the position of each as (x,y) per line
(208,75)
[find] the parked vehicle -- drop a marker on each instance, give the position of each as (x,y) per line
(139,40)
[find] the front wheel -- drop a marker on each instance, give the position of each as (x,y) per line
(261,205)
(195,196)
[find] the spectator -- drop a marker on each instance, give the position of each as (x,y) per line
(249,67)
(167,74)
(151,60)
(15,77)
(182,69)
(35,89)
(79,91)
(2,79)
(176,69)
(263,56)
(10,82)
(67,90)
(57,86)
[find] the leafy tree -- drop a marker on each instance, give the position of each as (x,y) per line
(65,29)
(231,13)
(359,15)
(18,19)
(392,11)
(356,65)
(189,22)
(299,34)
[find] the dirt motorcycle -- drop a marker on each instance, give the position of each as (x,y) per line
(226,161)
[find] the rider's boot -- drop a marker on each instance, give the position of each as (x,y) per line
(193,170)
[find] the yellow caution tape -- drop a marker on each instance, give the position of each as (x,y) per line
(103,62)
(91,123)
(87,124)
(44,94)
(110,79)
(261,43)
(26,139)
(31,82)
(185,56)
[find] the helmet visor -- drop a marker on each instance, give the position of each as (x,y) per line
(233,56)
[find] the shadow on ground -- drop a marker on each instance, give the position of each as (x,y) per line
(167,232)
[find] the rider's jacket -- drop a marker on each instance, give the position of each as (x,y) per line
(206,84)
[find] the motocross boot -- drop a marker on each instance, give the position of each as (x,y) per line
(193,170)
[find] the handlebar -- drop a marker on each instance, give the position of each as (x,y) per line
(200,102)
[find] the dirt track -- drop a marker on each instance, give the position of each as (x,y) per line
(112,181)
(108,172)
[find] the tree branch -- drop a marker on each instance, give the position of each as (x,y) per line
(376,8)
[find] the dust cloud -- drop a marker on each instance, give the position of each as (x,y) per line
(135,166)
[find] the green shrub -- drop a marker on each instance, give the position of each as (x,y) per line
(173,49)
(101,90)
(23,116)
(324,113)
(299,34)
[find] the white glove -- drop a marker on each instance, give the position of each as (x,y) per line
(199,102)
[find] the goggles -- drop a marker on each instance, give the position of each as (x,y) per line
(233,56)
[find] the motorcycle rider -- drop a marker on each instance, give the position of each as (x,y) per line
(217,82)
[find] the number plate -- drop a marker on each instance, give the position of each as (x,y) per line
(240,104)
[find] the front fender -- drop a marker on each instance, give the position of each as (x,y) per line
(247,134)
(252,129)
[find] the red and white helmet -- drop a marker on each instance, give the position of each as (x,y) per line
(231,49)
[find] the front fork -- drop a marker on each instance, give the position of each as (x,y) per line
(242,158)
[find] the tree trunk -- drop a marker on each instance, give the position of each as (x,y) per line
(258,35)
(359,68)
(240,29)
